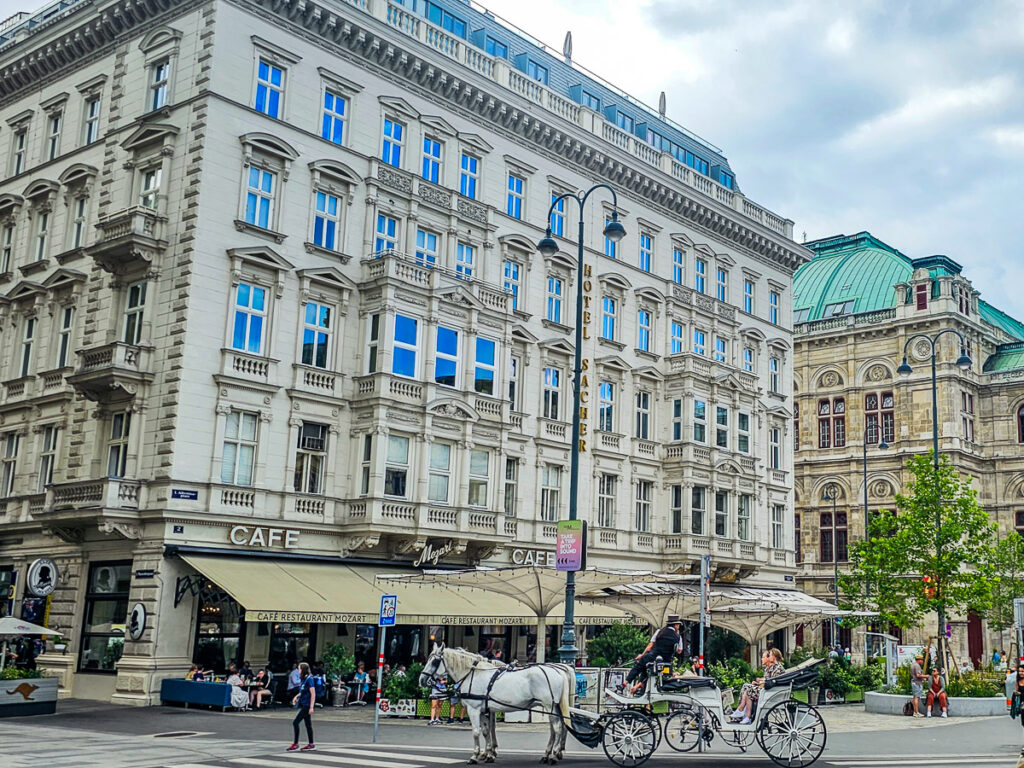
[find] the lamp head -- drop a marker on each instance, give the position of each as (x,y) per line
(964,361)
(904,369)
(547,246)
(613,230)
(883,445)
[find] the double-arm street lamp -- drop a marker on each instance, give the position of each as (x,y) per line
(964,364)
(614,231)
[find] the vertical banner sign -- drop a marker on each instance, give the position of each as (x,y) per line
(1018,616)
(388,613)
(571,545)
(584,403)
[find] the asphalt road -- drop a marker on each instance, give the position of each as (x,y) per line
(91,736)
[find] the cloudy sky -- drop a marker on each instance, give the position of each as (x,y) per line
(901,117)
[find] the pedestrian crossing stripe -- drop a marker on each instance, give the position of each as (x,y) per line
(394,755)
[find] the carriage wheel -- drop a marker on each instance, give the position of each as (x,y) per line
(792,734)
(685,729)
(629,738)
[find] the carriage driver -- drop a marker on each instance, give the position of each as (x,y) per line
(665,643)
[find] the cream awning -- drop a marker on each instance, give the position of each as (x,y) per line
(332,593)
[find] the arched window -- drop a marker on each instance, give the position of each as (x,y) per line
(1020,424)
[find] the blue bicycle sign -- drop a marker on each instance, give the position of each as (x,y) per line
(388,610)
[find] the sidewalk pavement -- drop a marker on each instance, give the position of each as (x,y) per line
(839,718)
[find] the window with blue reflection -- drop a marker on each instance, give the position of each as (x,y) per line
(483,376)
(588,99)
(403,355)
(259,197)
(446,362)
(391,146)
(495,48)
(332,126)
(515,196)
(431,159)
(325,221)
(537,72)
(269,88)
(386,228)
(439,16)
(250,311)
(316,335)
(624,121)
(468,176)
(557,215)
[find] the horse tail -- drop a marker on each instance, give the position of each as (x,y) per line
(568,697)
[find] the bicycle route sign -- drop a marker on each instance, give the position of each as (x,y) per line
(388,610)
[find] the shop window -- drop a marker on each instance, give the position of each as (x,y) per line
(105,612)
(220,633)
(290,643)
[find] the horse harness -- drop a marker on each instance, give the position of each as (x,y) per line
(486,696)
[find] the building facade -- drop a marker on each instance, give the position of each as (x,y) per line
(856,304)
(270,281)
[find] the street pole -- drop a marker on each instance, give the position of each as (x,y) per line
(867,513)
(705,574)
(380,672)
(964,363)
(547,246)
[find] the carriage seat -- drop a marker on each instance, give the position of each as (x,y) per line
(684,684)
(799,676)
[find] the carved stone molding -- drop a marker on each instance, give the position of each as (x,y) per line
(126,530)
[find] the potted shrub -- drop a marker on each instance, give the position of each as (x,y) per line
(339,663)
(26,692)
(400,693)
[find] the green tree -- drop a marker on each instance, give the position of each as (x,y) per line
(617,645)
(722,645)
(955,551)
(1008,582)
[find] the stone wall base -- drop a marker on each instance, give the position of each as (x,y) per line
(959,706)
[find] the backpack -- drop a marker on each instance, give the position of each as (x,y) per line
(319,687)
(908,709)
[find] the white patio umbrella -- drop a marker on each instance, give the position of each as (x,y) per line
(12,627)
(540,590)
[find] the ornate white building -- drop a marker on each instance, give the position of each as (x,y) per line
(269,286)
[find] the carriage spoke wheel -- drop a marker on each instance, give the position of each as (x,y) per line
(629,738)
(792,734)
(684,730)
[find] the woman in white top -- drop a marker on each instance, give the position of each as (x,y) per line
(239,698)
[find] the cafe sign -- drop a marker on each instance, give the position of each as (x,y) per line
(541,557)
(263,536)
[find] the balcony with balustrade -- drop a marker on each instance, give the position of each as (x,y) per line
(408,521)
(129,240)
(111,504)
(112,372)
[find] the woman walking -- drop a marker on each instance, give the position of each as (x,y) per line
(306,700)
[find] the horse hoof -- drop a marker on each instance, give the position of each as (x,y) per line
(471,761)
(489,759)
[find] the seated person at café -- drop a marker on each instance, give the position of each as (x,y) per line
(196,674)
(360,684)
(259,688)
(245,672)
(239,698)
(294,681)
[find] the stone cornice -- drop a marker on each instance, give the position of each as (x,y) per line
(367,42)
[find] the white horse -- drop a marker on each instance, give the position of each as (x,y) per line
(486,687)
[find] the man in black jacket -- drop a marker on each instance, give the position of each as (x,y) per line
(665,643)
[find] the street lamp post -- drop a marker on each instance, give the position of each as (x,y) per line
(872,435)
(963,363)
(614,231)
(831,494)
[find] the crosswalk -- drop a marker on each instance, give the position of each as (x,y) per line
(332,757)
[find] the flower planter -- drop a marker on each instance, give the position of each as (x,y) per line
(959,706)
(28,696)
(398,707)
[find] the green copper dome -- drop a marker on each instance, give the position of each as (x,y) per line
(848,275)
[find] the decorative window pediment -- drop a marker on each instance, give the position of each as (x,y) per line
(750,274)
(160,40)
(438,125)
(518,167)
(326,284)
(275,53)
(10,205)
(650,295)
(77,174)
(450,406)
(459,295)
(54,103)
(399,106)
(680,239)
(752,333)
(561,263)
(338,82)
(332,176)
(516,245)
(522,334)
(268,150)
(20,119)
(613,363)
(648,226)
(63,278)
(264,260)
(92,86)
(613,282)
(25,290)
(704,250)
(648,372)
(556,347)
(779,343)
(41,194)
(724,260)
(149,136)
(476,143)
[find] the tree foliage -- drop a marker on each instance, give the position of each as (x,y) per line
(957,557)
(1008,582)
(617,645)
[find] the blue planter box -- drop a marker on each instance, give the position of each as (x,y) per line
(187,692)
